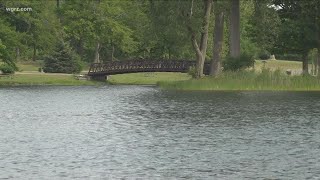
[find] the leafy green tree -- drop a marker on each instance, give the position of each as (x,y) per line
(200,48)
(33,31)
(298,30)
(168,33)
(264,27)
(98,25)
(5,57)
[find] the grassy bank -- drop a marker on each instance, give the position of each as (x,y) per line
(153,78)
(43,79)
(248,80)
(147,78)
(28,75)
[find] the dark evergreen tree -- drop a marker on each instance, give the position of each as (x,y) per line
(62,60)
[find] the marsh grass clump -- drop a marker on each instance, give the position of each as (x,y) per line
(248,80)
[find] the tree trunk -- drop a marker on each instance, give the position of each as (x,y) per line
(316,66)
(200,51)
(112,53)
(318,59)
(235,29)
(17,54)
(80,48)
(34,53)
(312,68)
(217,44)
(305,69)
(97,55)
(58,4)
(199,56)
(204,38)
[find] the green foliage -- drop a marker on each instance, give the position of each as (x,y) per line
(299,26)
(7,69)
(3,52)
(26,31)
(264,55)
(235,64)
(192,72)
(291,57)
(104,22)
(313,55)
(5,57)
(63,60)
(264,25)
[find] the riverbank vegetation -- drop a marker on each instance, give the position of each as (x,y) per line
(248,80)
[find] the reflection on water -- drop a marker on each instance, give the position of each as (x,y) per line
(140,131)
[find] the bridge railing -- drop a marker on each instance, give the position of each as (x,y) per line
(130,66)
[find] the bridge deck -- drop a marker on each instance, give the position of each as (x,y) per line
(134,66)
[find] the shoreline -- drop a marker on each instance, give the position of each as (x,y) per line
(97,83)
(42,79)
(226,82)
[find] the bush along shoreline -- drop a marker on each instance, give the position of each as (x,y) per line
(247,80)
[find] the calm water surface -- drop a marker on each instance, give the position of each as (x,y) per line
(129,132)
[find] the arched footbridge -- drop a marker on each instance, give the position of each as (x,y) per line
(100,71)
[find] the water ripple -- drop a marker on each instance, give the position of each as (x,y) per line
(133,132)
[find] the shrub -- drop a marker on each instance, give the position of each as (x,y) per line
(63,60)
(264,55)
(235,64)
(291,57)
(192,72)
(7,69)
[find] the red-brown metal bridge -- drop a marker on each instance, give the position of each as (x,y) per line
(100,71)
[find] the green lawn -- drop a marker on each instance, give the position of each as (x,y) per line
(147,78)
(43,79)
(29,66)
(279,64)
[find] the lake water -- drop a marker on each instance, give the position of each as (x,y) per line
(129,132)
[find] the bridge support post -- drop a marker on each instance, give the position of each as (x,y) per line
(100,78)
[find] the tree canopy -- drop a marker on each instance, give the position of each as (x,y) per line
(105,30)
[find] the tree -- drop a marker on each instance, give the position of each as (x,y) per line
(298,29)
(218,41)
(63,60)
(264,26)
(5,57)
(194,16)
(34,32)
(99,26)
(171,41)
(202,49)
